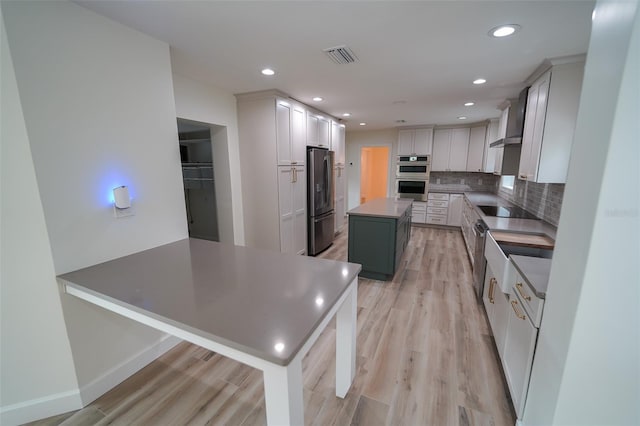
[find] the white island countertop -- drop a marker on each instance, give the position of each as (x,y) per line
(260,302)
(382,207)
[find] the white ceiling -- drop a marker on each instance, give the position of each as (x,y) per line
(423,53)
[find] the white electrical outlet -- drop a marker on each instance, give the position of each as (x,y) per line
(438,181)
(461,181)
(479,181)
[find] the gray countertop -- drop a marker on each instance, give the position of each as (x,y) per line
(382,207)
(527,226)
(535,271)
(245,298)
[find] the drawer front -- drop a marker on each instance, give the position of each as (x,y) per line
(418,206)
(437,196)
(437,210)
(418,217)
(531,303)
(437,219)
(437,203)
(500,264)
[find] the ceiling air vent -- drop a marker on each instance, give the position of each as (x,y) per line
(340,54)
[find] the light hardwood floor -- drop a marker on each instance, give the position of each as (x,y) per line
(425,356)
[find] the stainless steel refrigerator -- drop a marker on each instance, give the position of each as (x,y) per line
(320,228)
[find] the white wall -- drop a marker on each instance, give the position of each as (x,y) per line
(33,337)
(98,104)
(355,141)
(587,369)
(204,103)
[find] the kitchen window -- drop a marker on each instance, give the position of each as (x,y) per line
(506,183)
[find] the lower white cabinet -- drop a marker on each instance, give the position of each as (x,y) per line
(292,203)
(419,212)
(437,208)
(496,303)
(454,215)
(518,352)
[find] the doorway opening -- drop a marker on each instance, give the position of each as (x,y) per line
(374,171)
(196,157)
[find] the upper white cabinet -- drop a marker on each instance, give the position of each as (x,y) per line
(489,155)
(477,136)
(338,142)
(318,130)
(290,133)
(450,147)
(552,108)
(415,141)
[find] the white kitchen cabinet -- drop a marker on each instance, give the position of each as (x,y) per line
(415,141)
(337,142)
(271,222)
(318,130)
(450,147)
(519,349)
(419,212)
(489,155)
(454,213)
(437,208)
(290,133)
(292,202)
(552,108)
(496,304)
(475,154)
(338,146)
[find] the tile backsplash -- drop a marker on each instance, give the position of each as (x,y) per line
(464,181)
(542,199)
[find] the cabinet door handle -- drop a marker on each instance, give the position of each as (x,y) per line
(516,310)
(521,291)
(294,178)
(492,283)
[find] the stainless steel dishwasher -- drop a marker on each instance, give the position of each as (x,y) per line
(479,263)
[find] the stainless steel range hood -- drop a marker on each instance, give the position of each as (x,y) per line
(515,121)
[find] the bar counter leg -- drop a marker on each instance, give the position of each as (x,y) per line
(346,326)
(283,394)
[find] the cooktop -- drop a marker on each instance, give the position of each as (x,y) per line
(504,211)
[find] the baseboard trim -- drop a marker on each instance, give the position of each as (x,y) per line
(99,386)
(63,402)
(40,408)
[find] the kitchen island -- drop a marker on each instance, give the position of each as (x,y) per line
(379,231)
(258,307)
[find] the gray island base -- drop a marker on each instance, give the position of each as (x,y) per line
(379,231)
(258,307)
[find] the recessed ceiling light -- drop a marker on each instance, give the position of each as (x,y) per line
(346,114)
(462,117)
(268,71)
(318,99)
(363,124)
(504,30)
(469,104)
(479,81)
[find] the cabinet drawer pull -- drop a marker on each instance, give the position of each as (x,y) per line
(294,162)
(492,283)
(517,310)
(523,177)
(524,296)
